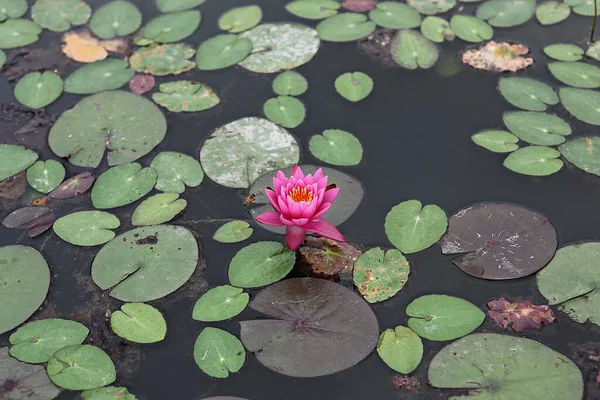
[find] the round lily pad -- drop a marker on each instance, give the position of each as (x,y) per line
(86,228)
(45,176)
(345,27)
(18,33)
(139,323)
(25,280)
(14,159)
(437,29)
(552,12)
(401,349)
(19,380)
(471,29)
(536,127)
(238,153)
(492,365)
(233,232)
(158,209)
(496,141)
(220,303)
(582,7)
(60,15)
(313,9)
(12,9)
(564,52)
(222,51)
(240,19)
(336,147)
(99,76)
(380,274)
(218,353)
(354,86)
(37,341)
(165,59)
(412,50)
(499,240)
(527,93)
(439,317)
(260,264)
(506,13)
(412,228)
(581,152)
(122,185)
(176,171)
(279,47)
(534,161)
(117,18)
(290,83)
(126,125)
(393,15)
(168,6)
(108,393)
(81,367)
(172,27)
(583,104)
(577,74)
(142,83)
(37,89)
(431,7)
(310,333)
(286,111)
(186,96)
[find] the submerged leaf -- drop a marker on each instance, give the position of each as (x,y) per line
(497,57)
(519,316)
(380,274)
(534,161)
(186,96)
(327,258)
(354,86)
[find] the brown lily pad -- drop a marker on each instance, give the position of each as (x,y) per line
(12,188)
(519,316)
(359,5)
(74,186)
(498,57)
(410,384)
(377,46)
(327,258)
(83,47)
(142,83)
(36,220)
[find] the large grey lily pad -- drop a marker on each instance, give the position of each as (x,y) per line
(583,153)
(158,209)
(176,171)
(410,49)
(537,128)
(583,104)
(172,27)
(14,159)
(139,323)
(81,367)
(122,185)
(534,161)
(222,51)
(218,353)
(18,33)
(99,76)
(21,381)
(60,15)
(345,27)
(526,93)
(86,228)
(163,59)
(117,18)
(260,264)
(506,13)
(186,96)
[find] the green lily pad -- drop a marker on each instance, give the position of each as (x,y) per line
(527,93)
(37,341)
(412,228)
(437,29)
(286,111)
(336,147)
(220,303)
(60,15)
(233,232)
(583,104)
(222,51)
(45,176)
(582,152)
(534,161)
(14,159)
(158,209)
(238,153)
(147,263)
(86,228)
(186,96)
(577,74)
(279,47)
(161,60)
(126,125)
(471,29)
(117,18)
(21,381)
(345,27)
(552,12)
(2,58)
(260,264)
(313,9)
(81,367)
(172,27)
(139,323)
(37,90)
(354,86)
(380,274)
(412,50)
(564,52)
(506,13)
(431,7)
(536,127)
(25,280)
(176,171)
(12,9)
(490,365)
(240,19)
(582,7)
(218,353)
(593,51)
(401,349)
(108,393)
(122,185)
(168,6)
(290,83)
(395,15)
(18,33)
(439,317)
(99,76)
(496,141)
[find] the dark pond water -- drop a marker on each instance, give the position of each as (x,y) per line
(415,128)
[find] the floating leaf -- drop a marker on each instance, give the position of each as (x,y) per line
(395,15)
(286,111)
(99,76)
(37,341)
(220,303)
(37,90)
(326,258)
(552,12)
(238,153)
(18,33)
(139,323)
(593,51)
(117,18)
(401,349)
(506,13)
(582,152)
(439,317)
(83,47)
(21,381)
(168,6)
(582,7)
(502,366)
(498,57)
(81,367)
(354,86)
(36,220)
(240,19)
(536,127)
(471,29)
(45,176)
(172,27)
(218,353)
(412,50)
(313,9)
(158,209)
(86,228)
(126,125)
(290,83)
(576,74)
(2,58)
(345,27)
(430,7)
(260,264)
(176,171)
(108,393)
(534,161)
(186,96)
(380,274)
(310,333)
(74,186)
(60,15)
(437,29)
(496,141)
(233,232)
(141,83)
(519,316)
(14,159)
(279,47)
(583,104)
(12,9)
(122,185)
(336,147)
(527,93)
(222,51)
(412,228)
(165,59)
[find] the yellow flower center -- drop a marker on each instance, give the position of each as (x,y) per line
(301,194)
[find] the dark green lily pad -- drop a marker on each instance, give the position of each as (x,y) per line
(577,74)
(582,152)
(354,86)
(108,393)
(220,303)
(186,96)
(139,323)
(18,33)
(122,185)
(437,29)
(81,367)
(313,9)
(218,353)
(12,9)
(431,7)
(117,18)
(564,52)
(176,171)
(99,76)
(290,83)
(393,15)
(240,19)
(168,6)
(60,15)
(496,141)
(37,89)
(536,127)
(222,51)
(233,232)
(14,159)
(506,13)
(583,104)
(158,209)
(86,228)
(345,27)
(172,27)
(161,60)
(336,147)
(45,176)
(552,12)
(260,264)
(412,50)
(471,29)
(21,381)
(401,349)
(380,274)
(527,93)
(534,161)
(286,111)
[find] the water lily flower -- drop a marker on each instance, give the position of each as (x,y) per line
(300,202)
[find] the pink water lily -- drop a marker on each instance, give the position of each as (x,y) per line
(300,202)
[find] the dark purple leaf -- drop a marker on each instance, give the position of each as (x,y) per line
(501,241)
(21,381)
(409,384)
(359,5)
(318,328)
(327,258)
(74,186)
(12,188)
(35,219)
(520,316)
(142,83)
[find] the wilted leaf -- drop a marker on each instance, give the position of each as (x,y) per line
(74,186)
(36,220)
(141,83)
(359,5)
(163,59)
(498,57)
(14,187)
(519,316)
(327,258)
(85,48)
(186,96)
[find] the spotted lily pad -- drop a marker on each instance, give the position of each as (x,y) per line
(18,33)
(393,15)
(220,303)
(577,74)
(496,141)
(290,83)
(21,381)
(12,9)
(168,6)
(74,186)
(117,18)
(108,393)
(122,185)
(14,159)
(506,13)
(186,96)
(313,9)
(354,86)
(139,323)
(222,51)
(430,7)
(176,171)
(37,89)
(158,209)
(60,15)
(401,349)
(519,316)
(286,111)
(564,52)
(240,19)
(345,27)
(161,60)
(260,264)
(582,152)
(45,176)
(336,147)
(527,93)
(583,104)
(81,367)
(536,127)
(172,27)
(552,12)
(380,274)
(534,161)
(437,29)
(471,29)
(218,353)
(233,232)
(309,333)
(99,76)
(412,50)
(86,228)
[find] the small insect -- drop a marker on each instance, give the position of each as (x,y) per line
(250,199)
(331,186)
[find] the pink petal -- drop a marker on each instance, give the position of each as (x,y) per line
(282,206)
(322,210)
(294,236)
(295,210)
(270,218)
(318,175)
(297,172)
(286,221)
(309,210)
(322,183)
(272,199)
(300,221)
(330,195)
(326,229)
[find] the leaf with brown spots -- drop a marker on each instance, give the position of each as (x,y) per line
(379,275)
(519,316)
(498,57)
(327,258)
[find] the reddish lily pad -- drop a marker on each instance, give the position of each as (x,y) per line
(317,328)
(359,5)
(498,57)
(74,186)
(142,83)
(21,381)
(499,240)
(519,316)
(327,258)
(36,220)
